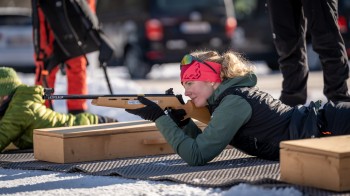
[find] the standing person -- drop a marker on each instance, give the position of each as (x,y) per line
(241,115)
(289,21)
(75,68)
(22,110)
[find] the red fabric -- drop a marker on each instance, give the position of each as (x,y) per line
(75,69)
(92,4)
(76,79)
(197,71)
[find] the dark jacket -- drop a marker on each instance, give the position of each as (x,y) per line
(267,126)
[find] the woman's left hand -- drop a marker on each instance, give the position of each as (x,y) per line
(151,111)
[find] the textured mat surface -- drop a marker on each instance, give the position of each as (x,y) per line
(229,168)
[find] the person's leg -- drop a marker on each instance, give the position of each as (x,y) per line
(76,78)
(47,80)
(77,84)
(288,27)
(45,48)
(336,118)
(328,43)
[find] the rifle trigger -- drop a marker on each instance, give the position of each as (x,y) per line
(179,97)
(167,111)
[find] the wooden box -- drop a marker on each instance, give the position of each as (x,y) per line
(321,162)
(99,142)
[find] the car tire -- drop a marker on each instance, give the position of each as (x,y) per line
(138,69)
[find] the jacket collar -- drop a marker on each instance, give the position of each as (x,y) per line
(248,80)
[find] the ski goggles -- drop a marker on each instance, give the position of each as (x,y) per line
(188,60)
(193,68)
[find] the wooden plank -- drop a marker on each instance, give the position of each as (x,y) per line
(337,146)
(100,142)
(86,130)
(48,148)
(310,170)
(113,146)
(323,163)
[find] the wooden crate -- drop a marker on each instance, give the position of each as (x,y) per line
(99,142)
(321,162)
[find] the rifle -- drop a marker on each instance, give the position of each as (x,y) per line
(129,101)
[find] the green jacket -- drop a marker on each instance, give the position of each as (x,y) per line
(26,111)
(197,147)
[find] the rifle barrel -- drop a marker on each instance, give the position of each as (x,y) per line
(51,97)
(57,97)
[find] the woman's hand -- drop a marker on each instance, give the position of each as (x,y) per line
(151,111)
(178,116)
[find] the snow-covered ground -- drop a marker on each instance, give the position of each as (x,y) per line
(27,182)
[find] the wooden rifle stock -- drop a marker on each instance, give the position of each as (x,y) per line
(131,102)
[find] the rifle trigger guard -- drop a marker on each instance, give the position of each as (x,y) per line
(181,100)
(167,111)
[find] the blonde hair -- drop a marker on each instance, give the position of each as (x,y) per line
(232,63)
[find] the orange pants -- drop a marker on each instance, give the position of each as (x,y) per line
(75,67)
(76,82)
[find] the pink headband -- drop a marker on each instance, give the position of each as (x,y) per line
(197,71)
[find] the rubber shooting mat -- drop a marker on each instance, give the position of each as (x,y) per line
(230,168)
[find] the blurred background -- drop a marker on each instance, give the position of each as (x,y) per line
(148,33)
(149,37)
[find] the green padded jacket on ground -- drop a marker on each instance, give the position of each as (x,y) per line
(26,111)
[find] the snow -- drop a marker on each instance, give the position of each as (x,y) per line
(27,182)
(35,182)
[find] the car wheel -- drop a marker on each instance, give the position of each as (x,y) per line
(138,69)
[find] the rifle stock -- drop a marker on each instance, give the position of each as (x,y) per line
(130,102)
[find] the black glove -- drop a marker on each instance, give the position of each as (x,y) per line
(105,119)
(151,111)
(178,116)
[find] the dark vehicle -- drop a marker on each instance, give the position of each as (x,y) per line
(253,36)
(148,32)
